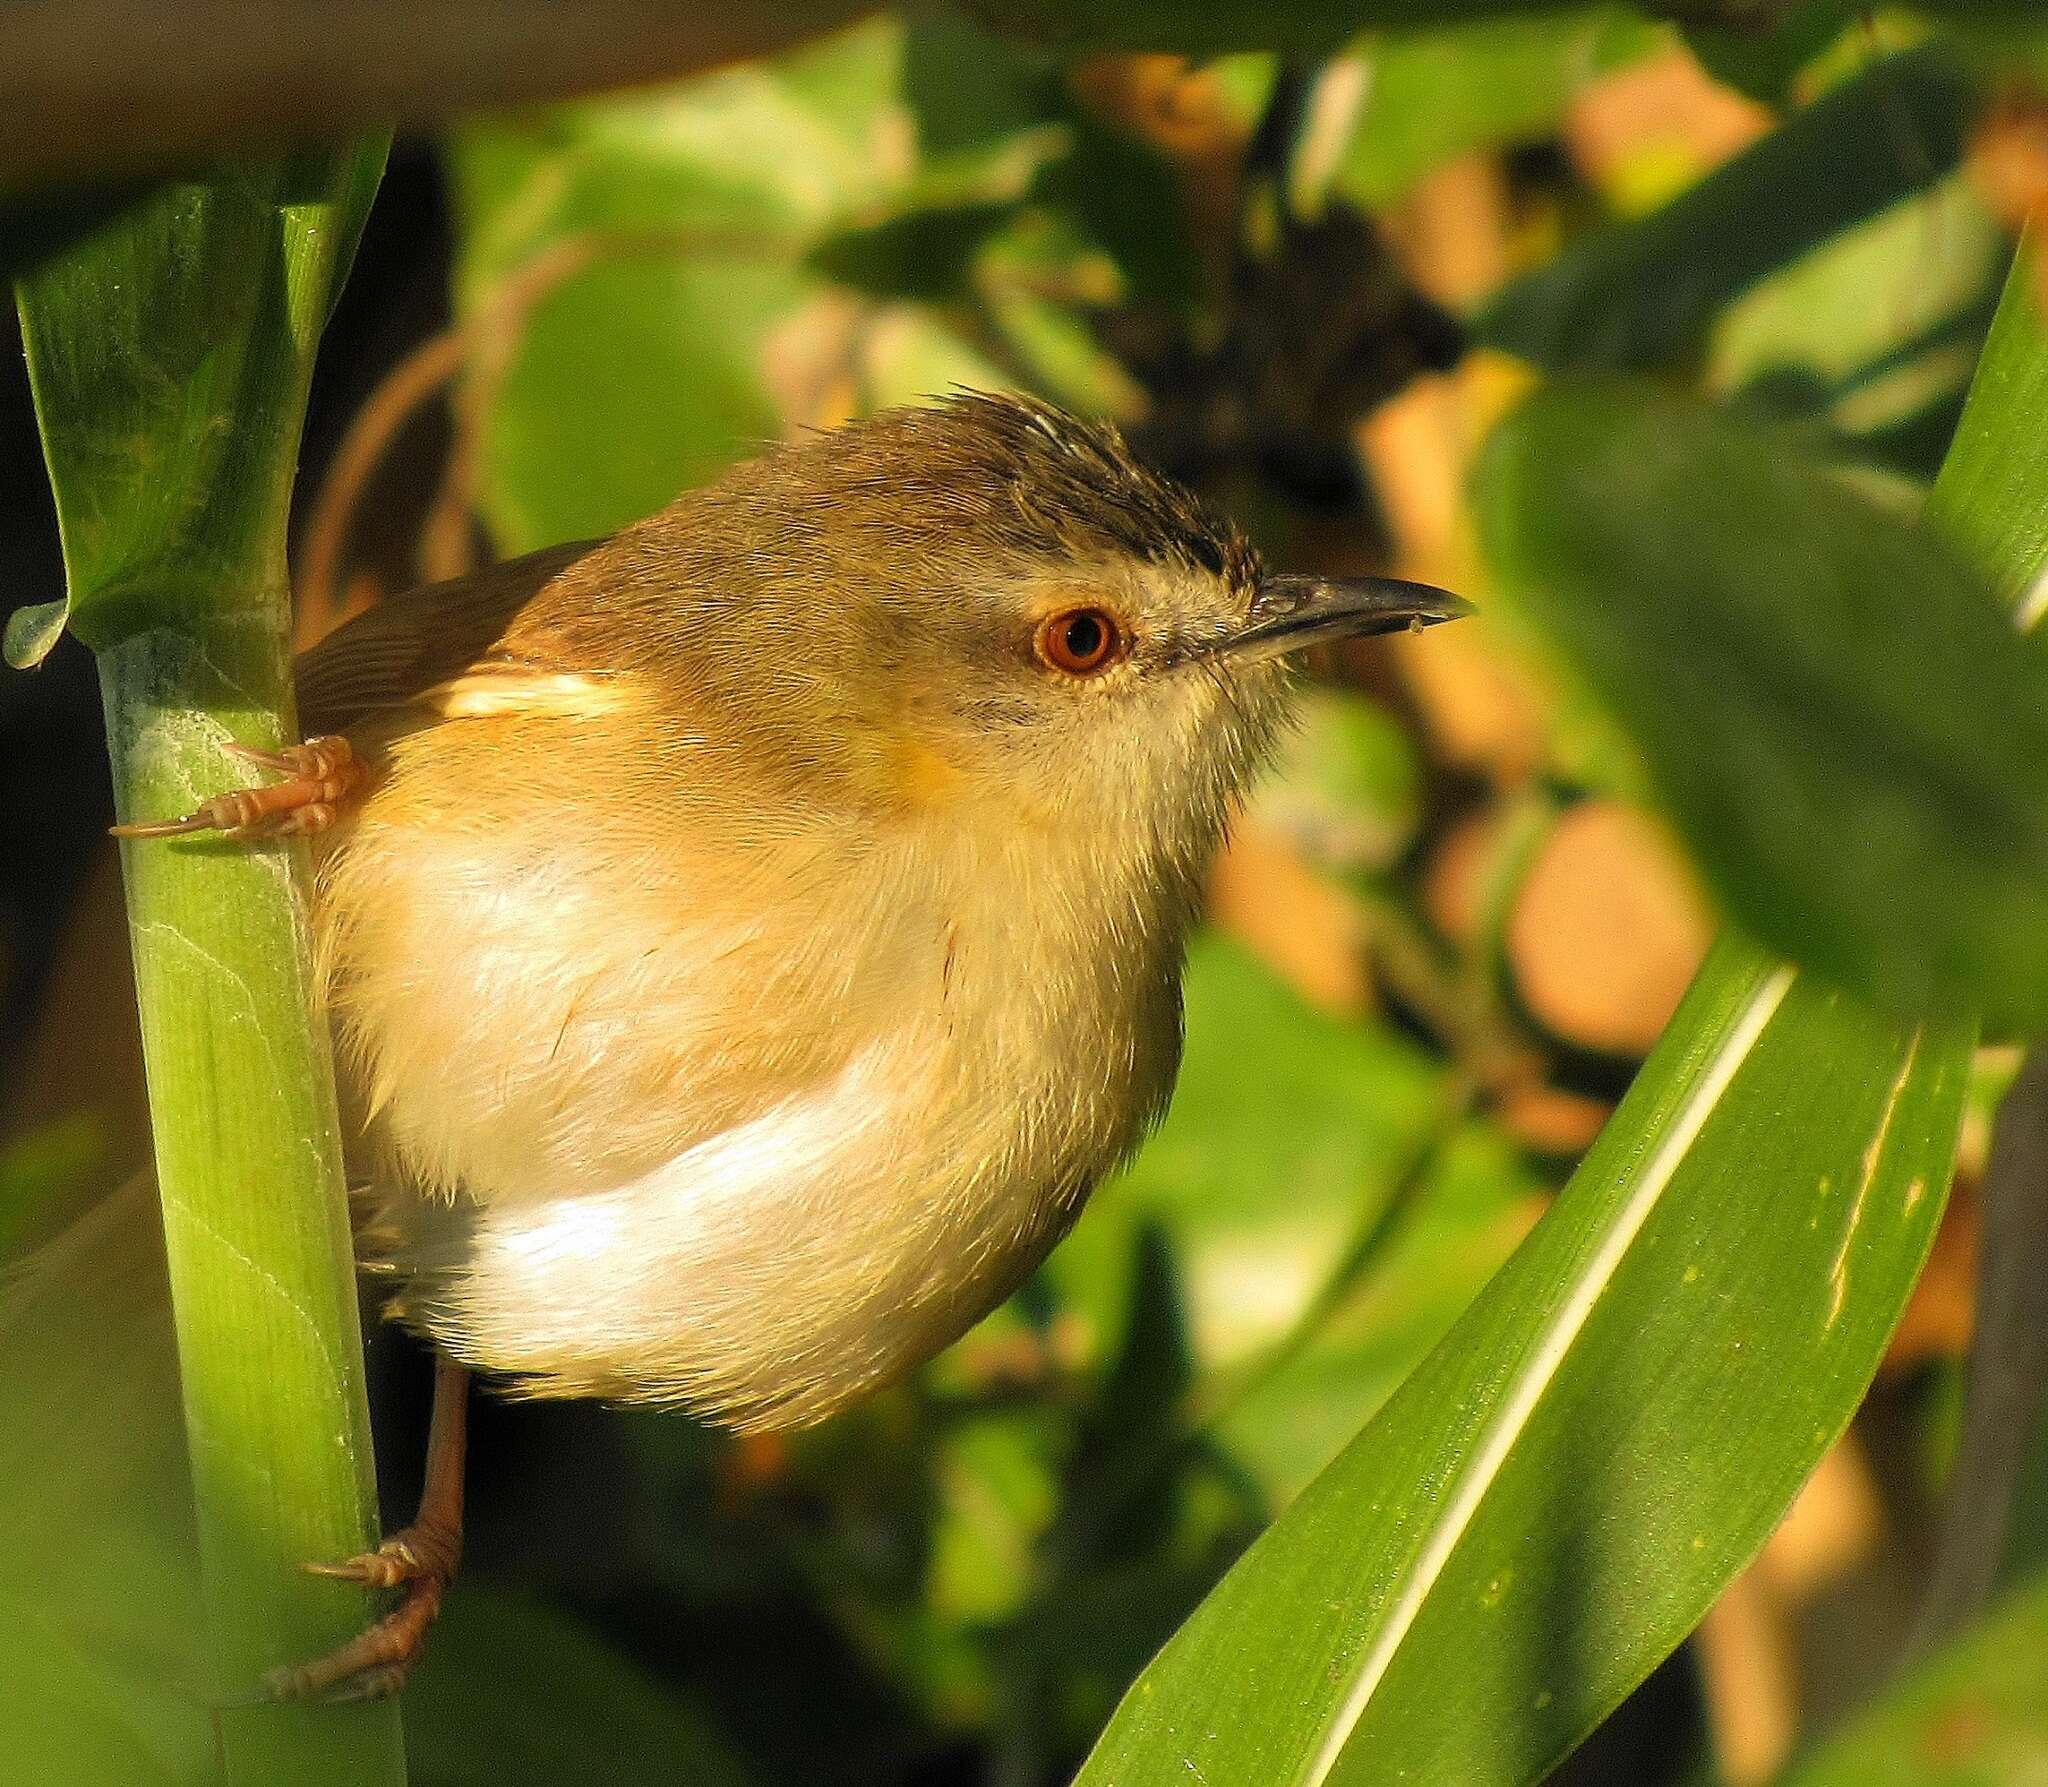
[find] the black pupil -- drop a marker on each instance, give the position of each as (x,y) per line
(1085,636)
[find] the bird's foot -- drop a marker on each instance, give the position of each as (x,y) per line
(319,777)
(421,1560)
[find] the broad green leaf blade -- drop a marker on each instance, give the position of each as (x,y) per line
(1831,705)
(170,352)
(1871,338)
(1976,1715)
(1867,299)
(1641,291)
(1989,501)
(1554,1497)
(1615,1425)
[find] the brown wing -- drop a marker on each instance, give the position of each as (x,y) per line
(386,658)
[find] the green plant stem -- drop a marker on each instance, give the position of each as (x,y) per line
(170,352)
(248,1164)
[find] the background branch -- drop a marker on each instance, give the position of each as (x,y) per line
(2008,1366)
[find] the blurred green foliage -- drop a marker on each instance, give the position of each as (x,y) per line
(1427,96)
(722,219)
(1639,293)
(1835,709)
(1974,1716)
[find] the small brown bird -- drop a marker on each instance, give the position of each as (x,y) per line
(749,938)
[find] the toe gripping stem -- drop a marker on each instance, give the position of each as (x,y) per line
(319,776)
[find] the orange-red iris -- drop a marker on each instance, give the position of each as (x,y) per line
(1080,641)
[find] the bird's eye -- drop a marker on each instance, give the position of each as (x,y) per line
(1080,641)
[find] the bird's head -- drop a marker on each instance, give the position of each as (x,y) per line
(989,604)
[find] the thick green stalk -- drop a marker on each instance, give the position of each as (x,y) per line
(170,351)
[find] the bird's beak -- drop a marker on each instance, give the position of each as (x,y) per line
(1290,614)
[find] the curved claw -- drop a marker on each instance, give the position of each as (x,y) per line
(421,1560)
(198,820)
(277,762)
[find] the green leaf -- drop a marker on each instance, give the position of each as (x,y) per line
(100,1639)
(662,283)
(916,254)
(1976,1715)
(651,368)
(969,89)
(170,352)
(1764,58)
(1831,704)
(636,380)
(1473,1203)
(1612,1429)
(1991,500)
(1553,1498)
(1638,293)
(1871,326)
(1430,95)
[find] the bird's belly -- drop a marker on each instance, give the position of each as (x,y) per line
(757,1165)
(782,1268)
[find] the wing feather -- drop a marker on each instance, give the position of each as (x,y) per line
(389,657)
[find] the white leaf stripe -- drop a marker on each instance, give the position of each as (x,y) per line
(1543,1364)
